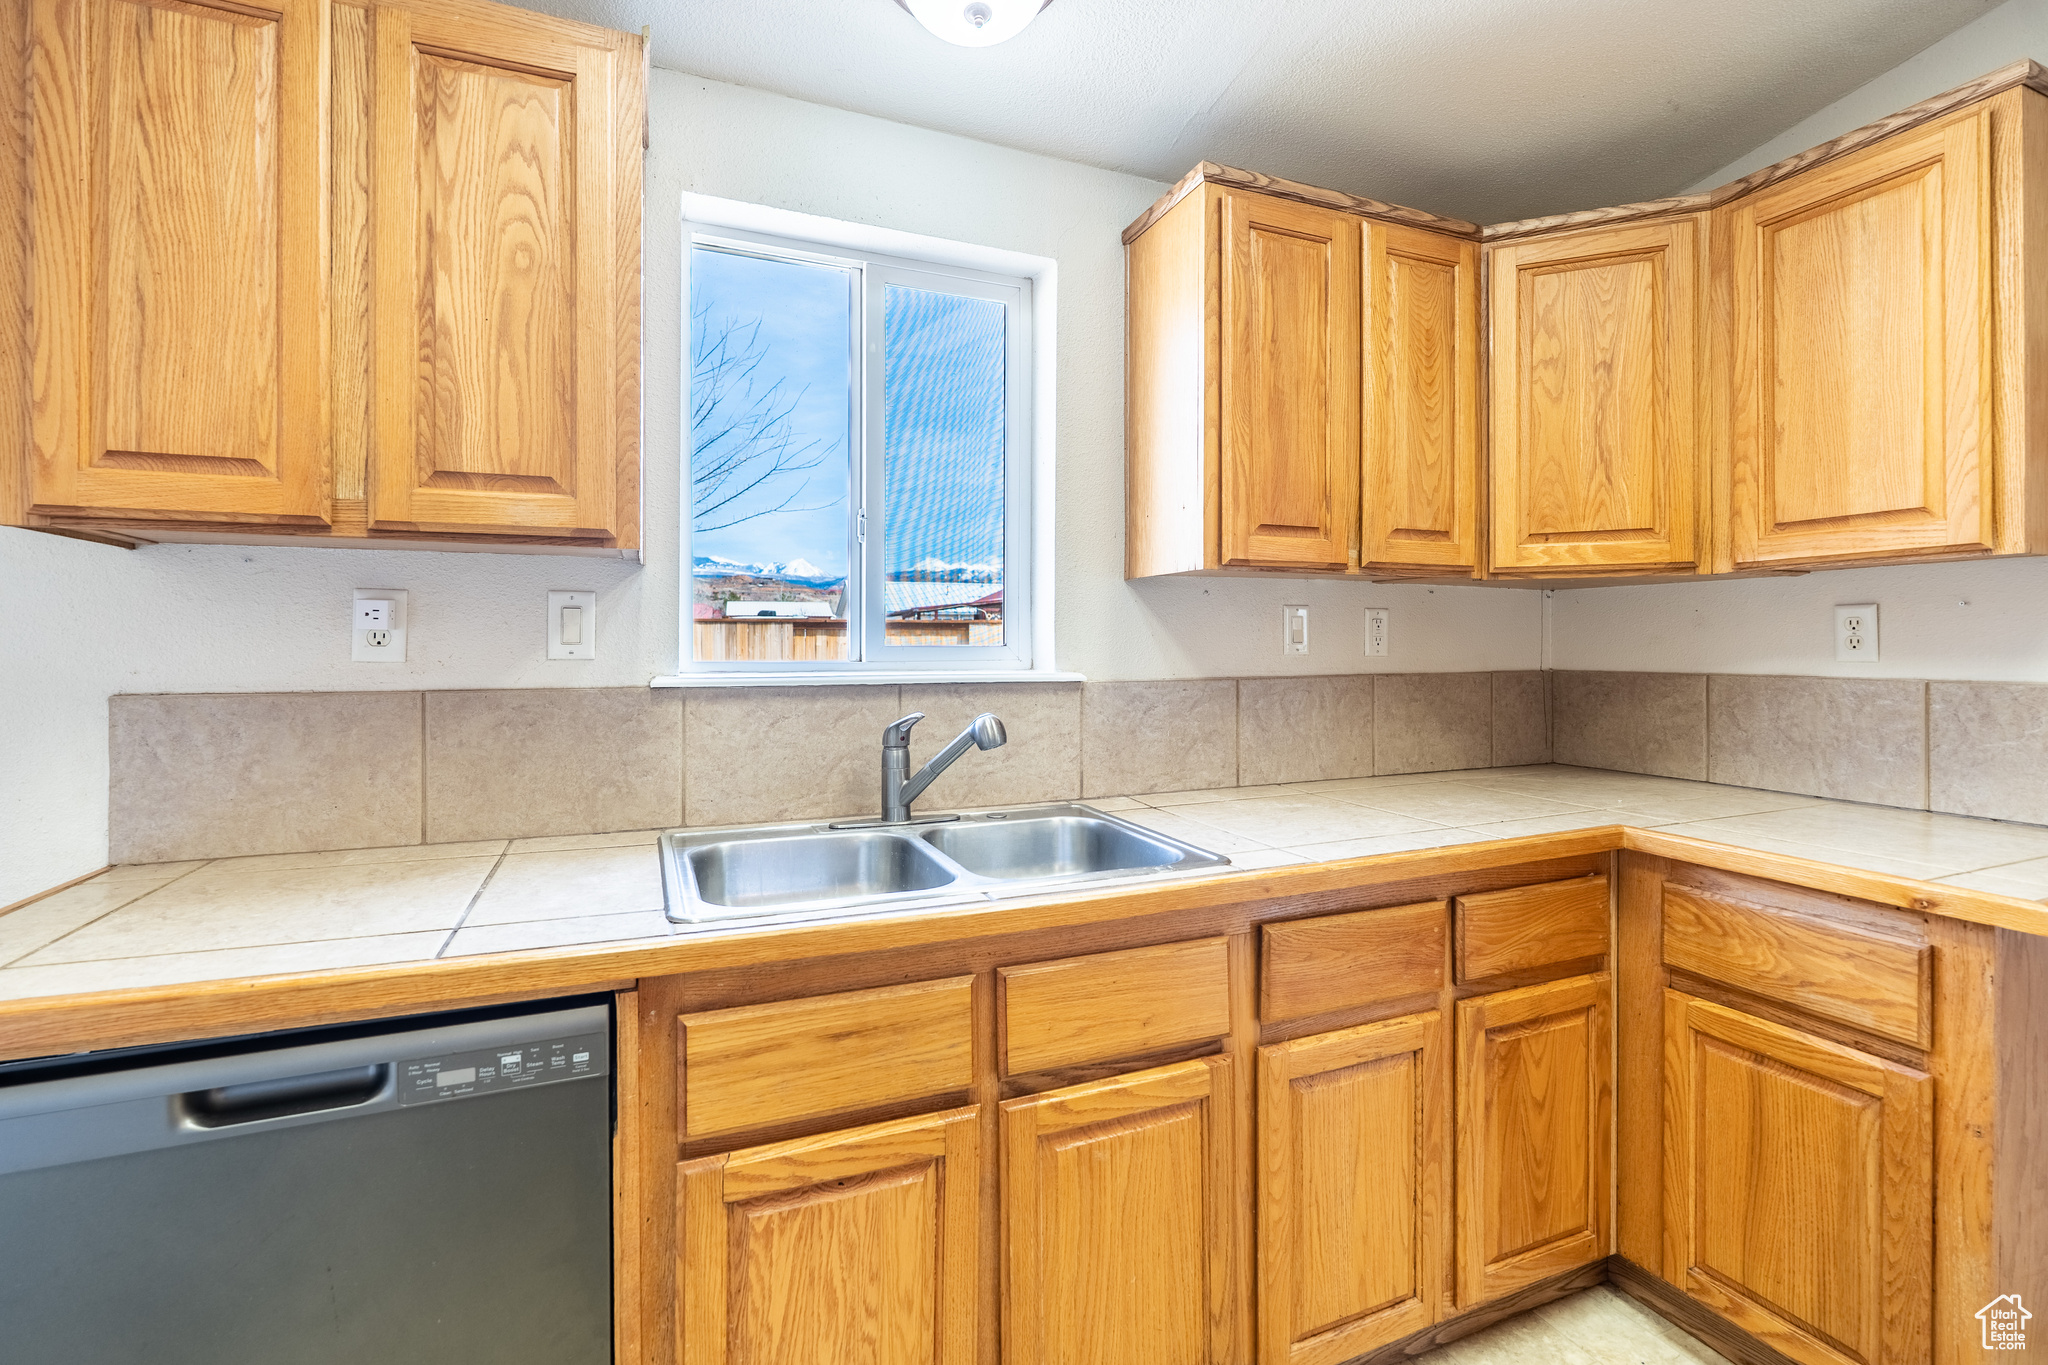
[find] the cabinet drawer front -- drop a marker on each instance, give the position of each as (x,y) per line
(1094,1009)
(1313,966)
(1531,927)
(1869,981)
(757,1065)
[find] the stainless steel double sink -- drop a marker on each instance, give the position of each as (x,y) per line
(771,874)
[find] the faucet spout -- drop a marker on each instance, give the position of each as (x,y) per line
(899,787)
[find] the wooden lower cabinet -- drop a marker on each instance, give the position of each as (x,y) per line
(1119,1210)
(1354,1171)
(1799,1186)
(861,1246)
(1535,1131)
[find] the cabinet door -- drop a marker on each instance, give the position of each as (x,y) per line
(1354,1170)
(1119,1218)
(1535,1126)
(1595,367)
(177,298)
(1290,383)
(1421,427)
(1860,375)
(496,200)
(1798,1186)
(857,1246)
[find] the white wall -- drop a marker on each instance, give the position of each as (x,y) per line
(1786,625)
(86,621)
(2016,29)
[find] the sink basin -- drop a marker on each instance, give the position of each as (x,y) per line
(773,874)
(1051,846)
(833,868)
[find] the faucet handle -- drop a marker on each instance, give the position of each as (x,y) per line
(896,735)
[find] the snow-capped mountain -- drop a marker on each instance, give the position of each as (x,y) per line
(798,570)
(932,569)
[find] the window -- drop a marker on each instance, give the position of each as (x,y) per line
(859,461)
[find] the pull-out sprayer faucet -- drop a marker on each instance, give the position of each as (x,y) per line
(985,731)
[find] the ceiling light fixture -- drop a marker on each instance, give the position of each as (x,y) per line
(974,23)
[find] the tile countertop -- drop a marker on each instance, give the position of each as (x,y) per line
(178,923)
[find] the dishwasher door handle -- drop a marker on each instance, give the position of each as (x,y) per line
(288,1097)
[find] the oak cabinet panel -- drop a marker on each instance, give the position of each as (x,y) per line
(1301,386)
(1119,1210)
(1798,1189)
(1111,1006)
(1420,470)
(1861,365)
(1595,442)
(854,1246)
(1535,1101)
(1311,966)
(496,289)
(176,302)
(1290,382)
(828,1054)
(1354,1171)
(1531,928)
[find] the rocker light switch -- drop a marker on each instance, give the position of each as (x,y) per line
(572,625)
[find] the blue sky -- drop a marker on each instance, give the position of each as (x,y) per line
(944,422)
(805,312)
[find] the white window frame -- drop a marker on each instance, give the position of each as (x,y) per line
(881,257)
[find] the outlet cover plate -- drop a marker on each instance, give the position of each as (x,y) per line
(1378,621)
(360,650)
(1856,634)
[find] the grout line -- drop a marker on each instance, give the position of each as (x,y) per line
(475,896)
(1926,745)
(423,766)
(12,961)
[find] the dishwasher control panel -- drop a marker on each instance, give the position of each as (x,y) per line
(427,1080)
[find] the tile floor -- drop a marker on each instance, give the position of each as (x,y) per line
(1597,1326)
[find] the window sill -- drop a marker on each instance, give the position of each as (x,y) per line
(864,679)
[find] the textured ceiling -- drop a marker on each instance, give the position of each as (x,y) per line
(1482,109)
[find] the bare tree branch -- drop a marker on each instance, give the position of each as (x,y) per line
(742,431)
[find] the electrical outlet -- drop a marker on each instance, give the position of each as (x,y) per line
(1376,627)
(377,626)
(1294,629)
(1856,634)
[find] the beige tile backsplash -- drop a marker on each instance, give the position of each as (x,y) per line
(1855,739)
(1631,722)
(518,764)
(219,775)
(205,776)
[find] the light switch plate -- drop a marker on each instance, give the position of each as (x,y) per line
(586,631)
(369,644)
(1294,629)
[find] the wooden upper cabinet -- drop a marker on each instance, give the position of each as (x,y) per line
(1596,450)
(1290,383)
(500,178)
(1860,360)
(1263,319)
(1798,1186)
(1535,1128)
(1120,1208)
(177,296)
(863,1245)
(1420,454)
(1354,1189)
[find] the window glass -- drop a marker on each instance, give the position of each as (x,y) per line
(944,427)
(771,468)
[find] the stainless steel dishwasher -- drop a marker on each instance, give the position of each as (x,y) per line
(425,1190)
